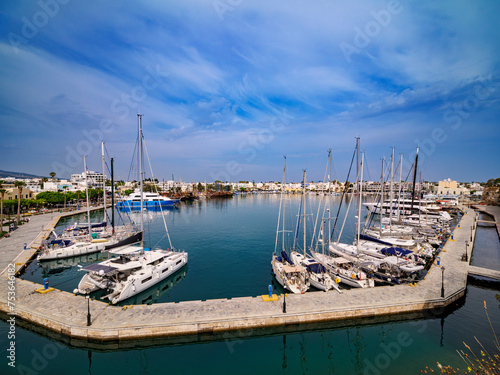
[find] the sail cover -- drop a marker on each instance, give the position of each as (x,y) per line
(316,268)
(398,251)
(373,239)
(96,267)
(286,257)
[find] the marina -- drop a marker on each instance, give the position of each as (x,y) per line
(234,325)
(65,313)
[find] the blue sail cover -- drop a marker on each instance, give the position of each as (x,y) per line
(316,268)
(398,251)
(286,257)
(373,239)
(62,243)
(92,225)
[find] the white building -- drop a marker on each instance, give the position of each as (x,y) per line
(94,180)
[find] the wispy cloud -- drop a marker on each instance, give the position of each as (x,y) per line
(208,84)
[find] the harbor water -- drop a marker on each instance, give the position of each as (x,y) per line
(230,243)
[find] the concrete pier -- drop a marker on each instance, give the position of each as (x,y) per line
(492,211)
(484,272)
(66,314)
(32,234)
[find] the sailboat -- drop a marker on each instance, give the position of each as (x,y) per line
(74,248)
(316,272)
(134,269)
(291,276)
(343,269)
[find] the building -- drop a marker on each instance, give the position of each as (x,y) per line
(12,192)
(94,180)
(449,187)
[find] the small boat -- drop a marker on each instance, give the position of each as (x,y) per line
(73,250)
(344,270)
(291,276)
(317,273)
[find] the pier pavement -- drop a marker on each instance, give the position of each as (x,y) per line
(492,211)
(66,314)
(31,234)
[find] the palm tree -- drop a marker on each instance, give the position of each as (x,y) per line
(19,185)
(52,174)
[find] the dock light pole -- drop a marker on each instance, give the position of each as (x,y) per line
(284,303)
(88,311)
(442,282)
(466,250)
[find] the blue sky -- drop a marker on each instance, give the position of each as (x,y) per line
(229,86)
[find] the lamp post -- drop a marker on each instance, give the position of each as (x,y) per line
(442,282)
(88,311)
(466,250)
(284,303)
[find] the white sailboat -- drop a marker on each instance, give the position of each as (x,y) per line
(78,248)
(317,273)
(291,276)
(136,268)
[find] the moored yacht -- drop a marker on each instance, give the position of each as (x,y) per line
(150,201)
(132,271)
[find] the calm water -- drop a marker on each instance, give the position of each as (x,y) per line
(230,243)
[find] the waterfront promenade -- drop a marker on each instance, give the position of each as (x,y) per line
(66,314)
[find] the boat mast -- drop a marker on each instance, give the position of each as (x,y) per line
(283,203)
(329,196)
(357,181)
(391,194)
(381,196)
(359,202)
(112,196)
(87,193)
(140,176)
(304,204)
(414,180)
(400,183)
(103,183)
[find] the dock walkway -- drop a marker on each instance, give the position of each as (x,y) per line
(485,272)
(32,234)
(492,211)
(66,314)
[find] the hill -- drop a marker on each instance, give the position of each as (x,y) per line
(4,174)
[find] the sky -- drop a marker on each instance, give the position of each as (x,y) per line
(228,87)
